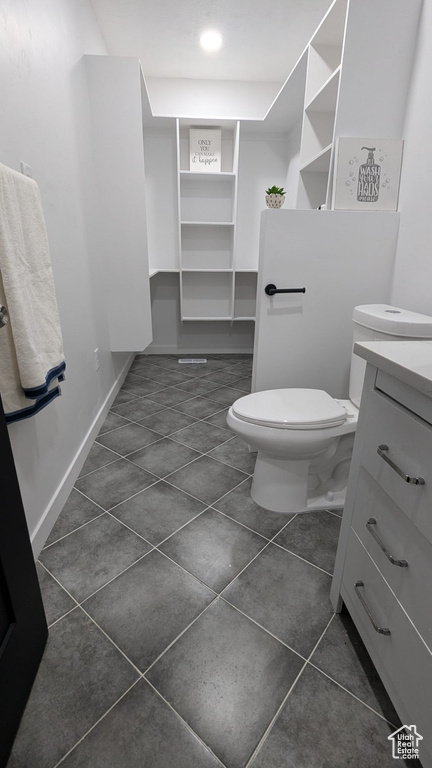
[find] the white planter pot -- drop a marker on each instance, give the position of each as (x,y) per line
(275,201)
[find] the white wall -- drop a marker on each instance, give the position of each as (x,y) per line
(45,122)
(210,99)
(263,161)
(413,272)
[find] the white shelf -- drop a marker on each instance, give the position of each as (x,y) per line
(210,270)
(207,175)
(319,163)
(244,319)
(325,99)
(207,223)
(206,319)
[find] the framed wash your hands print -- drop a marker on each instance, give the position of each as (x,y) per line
(367,174)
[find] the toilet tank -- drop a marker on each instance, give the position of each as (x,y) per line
(381,322)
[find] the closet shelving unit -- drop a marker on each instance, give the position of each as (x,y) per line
(321,95)
(207,204)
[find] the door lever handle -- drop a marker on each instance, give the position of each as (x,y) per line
(271,289)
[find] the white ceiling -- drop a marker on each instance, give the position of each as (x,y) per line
(262,40)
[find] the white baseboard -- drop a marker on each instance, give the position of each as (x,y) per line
(174,350)
(58,500)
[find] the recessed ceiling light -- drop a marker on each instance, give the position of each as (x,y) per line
(211,40)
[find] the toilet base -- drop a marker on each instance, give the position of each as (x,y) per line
(280,485)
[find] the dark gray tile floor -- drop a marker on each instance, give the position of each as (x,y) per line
(189,627)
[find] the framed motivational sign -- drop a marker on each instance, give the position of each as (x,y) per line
(367,174)
(205,149)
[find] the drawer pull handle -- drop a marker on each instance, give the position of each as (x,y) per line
(380,630)
(394,561)
(413,480)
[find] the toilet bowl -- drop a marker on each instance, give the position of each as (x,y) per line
(304,441)
(304,437)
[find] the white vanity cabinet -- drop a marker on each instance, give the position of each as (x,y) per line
(383,570)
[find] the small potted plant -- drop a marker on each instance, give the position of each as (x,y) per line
(275,197)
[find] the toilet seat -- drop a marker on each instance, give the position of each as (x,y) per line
(291,409)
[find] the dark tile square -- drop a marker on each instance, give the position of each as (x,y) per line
(141,730)
(226,376)
(158,511)
(213,548)
(199,407)
(112,421)
(244,384)
(124,396)
(138,409)
(163,457)
(198,386)
(56,601)
(172,378)
(167,421)
(237,454)
(342,655)
(239,505)
(98,457)
(314,536)
(226,677)
(201,436)
(80,676)
(149,371)
(219,420)
(129,438)
(285,595)
(116,483)
(77,511)
(206,479)
(171,396)
(86,559)
(141,386)
(323,725)
(147,607)
(226,395)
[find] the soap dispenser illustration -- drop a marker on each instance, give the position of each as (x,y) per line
(368,179)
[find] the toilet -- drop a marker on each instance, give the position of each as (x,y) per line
(304,437)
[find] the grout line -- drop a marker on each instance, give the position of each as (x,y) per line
(267,631)
(329,677)
(125,525)
(208,749)
(83,525)
(331,512)
(277,713)
(185,570)
(181,528)
(112,641)
(96,723)
(243,525)
(302,558)
(216,597)
(64,590)
(115,577)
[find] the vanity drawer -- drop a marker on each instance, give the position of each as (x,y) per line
(402,660)
(403,544)
(409,447)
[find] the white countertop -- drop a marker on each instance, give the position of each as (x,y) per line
(409,361)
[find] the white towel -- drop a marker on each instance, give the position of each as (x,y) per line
(31,348)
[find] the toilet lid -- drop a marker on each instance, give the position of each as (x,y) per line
(291,409)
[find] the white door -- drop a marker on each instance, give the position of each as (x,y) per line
(342,259)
